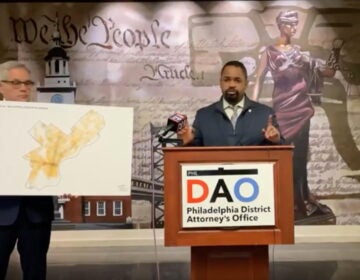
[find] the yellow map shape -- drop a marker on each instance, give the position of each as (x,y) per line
(55,146)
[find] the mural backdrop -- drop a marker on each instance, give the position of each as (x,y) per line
(165,57)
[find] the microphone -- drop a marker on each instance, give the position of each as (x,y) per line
(175,122)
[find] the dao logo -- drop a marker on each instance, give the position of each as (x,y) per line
(198,190)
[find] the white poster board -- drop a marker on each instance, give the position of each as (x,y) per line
(55,149)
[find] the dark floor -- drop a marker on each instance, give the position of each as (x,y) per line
(180,271)
(292,262)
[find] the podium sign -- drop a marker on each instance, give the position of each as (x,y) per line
(228,195)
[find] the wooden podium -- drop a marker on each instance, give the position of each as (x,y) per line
(219,253)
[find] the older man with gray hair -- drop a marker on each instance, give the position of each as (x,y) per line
(23,219)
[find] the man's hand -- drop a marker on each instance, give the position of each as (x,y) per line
(68,196)
(271,133)
(186,134)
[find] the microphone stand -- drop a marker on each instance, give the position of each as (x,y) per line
(164,141)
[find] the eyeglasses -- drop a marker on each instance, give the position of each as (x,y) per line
(17,83)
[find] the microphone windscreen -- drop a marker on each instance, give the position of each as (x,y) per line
(176,122)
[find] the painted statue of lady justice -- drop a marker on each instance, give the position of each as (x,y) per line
(295,75)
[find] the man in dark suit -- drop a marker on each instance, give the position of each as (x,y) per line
(234,120)
(25,220)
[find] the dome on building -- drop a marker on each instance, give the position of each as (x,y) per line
(56,52)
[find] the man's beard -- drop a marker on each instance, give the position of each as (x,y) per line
(232,96)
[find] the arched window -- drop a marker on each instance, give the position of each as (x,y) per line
(57,66)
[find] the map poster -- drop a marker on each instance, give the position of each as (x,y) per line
(55,149)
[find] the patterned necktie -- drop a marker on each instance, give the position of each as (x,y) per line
(234,116)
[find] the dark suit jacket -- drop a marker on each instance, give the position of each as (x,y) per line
(213,127)
(38,209)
